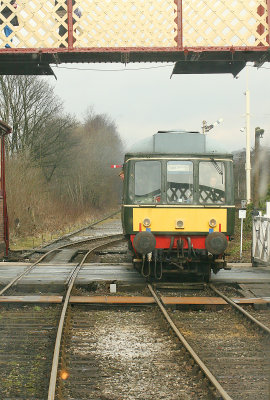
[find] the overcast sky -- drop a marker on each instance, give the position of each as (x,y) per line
(142,99)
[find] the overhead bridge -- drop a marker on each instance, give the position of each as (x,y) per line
(200,36)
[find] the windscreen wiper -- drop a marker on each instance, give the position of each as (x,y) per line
(219,170)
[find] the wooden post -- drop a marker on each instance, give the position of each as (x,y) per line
(4,130)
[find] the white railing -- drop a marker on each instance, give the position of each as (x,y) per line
(261,239)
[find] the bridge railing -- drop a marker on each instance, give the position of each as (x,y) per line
(151,24)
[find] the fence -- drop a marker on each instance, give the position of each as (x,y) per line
(261,239)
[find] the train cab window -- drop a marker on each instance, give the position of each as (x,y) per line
(147,182)
(212,182)
(180,182)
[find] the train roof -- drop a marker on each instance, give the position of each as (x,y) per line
(178,142)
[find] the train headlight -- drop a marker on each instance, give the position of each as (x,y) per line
(179,224)
(146,222)
(212,223)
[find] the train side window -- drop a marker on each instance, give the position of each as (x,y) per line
(180,182)
(147,182)
(212,182)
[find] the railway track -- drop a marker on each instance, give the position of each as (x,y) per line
(259,325)
(236,352)
(66,240)
(118,350)
(71,281)
(76,245)
(125,352)
(27,334)
(83,362)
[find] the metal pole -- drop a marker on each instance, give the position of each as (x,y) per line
(256,196)
(248,167)
(204,123)
(241,239)
(268,16)
(70,24)
(179,19)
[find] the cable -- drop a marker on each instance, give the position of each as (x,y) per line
(254,66)
(133,69)
(113,70)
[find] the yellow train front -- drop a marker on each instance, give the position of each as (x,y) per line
(178,204)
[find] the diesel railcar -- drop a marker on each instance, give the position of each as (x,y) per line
(178,204)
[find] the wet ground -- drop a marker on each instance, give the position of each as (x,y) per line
(120,353)
(235,352)
(126,354)
(27,335)
(109,265)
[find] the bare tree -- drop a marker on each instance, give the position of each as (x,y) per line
(37,117)
(240,172)
(90,180)
(52,148)
(27,103)
(65,164)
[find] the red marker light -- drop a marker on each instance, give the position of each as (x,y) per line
(116,166)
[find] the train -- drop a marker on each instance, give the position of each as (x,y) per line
(178,205)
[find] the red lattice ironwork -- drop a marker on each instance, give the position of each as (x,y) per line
(135,24)
(141,30)
(225,23)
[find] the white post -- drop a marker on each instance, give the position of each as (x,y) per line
(242,215)
(268,209)
(248,166)
(241,239)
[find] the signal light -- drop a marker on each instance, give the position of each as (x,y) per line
(116,166)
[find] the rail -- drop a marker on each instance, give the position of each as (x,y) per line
(32,266)
(54,370)
(224,395)
(261,326)
(69,235)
